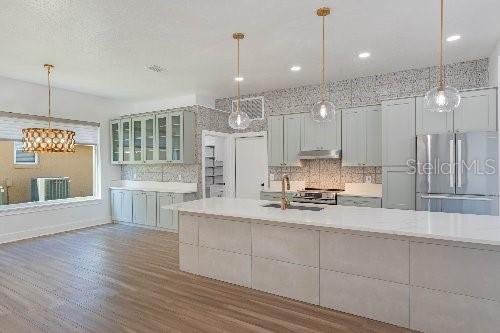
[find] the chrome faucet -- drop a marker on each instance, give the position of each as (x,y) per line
(285,202)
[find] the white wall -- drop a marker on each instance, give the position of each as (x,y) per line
(27,98)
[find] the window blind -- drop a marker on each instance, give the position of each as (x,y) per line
(11,129)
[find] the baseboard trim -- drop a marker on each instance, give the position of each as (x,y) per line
(50,230)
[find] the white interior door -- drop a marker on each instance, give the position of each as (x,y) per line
(251,166)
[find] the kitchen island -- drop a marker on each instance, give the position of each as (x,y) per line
(432,272)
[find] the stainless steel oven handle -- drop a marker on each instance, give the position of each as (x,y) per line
(452,163)
(455,198)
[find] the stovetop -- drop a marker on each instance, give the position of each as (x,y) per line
(317,195)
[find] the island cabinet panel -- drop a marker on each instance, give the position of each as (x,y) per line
(454,269)
(380,258)
(225,235)
(441,312)
(367,297)
(285,279)
(297,246)
(188,229)
(188,258)
(225,266)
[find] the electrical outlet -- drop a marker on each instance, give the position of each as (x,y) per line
(134,176)
(271,176)
(368,179)
(179,177)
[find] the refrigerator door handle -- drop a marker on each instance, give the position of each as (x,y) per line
(455,198)
(452,163)
(459,161)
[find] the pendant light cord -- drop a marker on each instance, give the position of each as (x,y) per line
(48,85)
(238,78)
(323,63)
(441,69)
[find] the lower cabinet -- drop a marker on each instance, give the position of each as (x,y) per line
(225,266)
(145,208)
(398,188)
(359,201)
(273,196)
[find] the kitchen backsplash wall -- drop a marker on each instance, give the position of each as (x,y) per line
(206,119)
(350,93)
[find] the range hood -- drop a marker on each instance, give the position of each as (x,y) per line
(319,154)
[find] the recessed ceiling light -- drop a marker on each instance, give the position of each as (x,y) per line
(240,78)
(295,68)
(453,38)
(155,68)
(363,55)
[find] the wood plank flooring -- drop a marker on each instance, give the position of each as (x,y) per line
(118,278)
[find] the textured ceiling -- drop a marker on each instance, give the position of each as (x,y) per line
(102,46)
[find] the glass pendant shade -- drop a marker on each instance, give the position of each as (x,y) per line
(323,111)
(239,120)
(48,140)
(444,99)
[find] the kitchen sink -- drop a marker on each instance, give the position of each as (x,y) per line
(313,209)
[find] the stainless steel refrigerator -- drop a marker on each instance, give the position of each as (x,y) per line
(457,173)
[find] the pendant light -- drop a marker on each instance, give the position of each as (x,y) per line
(442,98)
(238,119)
(48,140)
(324,110)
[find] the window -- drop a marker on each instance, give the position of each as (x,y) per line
(37,177)
(24,158)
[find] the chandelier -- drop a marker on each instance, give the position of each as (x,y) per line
(238,119)
(48,140)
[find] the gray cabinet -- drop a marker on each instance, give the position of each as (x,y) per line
(168,218)
(361,136)
(359,201)
(398,131)
(144,208)
(121,206)
(428,122)
(321,136)
(283,140)
(477,111)
(116,141)
(274,196)
(275,140)
(398,188)
(126,139)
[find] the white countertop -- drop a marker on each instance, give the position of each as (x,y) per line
(149,186)
(478,229)
(362,190)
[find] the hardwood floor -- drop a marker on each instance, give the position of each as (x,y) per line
(118,278)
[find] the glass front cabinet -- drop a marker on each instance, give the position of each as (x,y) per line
(165,137)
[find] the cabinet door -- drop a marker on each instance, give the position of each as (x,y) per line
(115,142)
(291,139)
(176,136)
(149,139)
(139,208)
(275,140)
(162,126)
(165,216)
(321,136)
(428,122)
(116,205)
(373,146)
(126,209)
(477,111)
(137,140)
(353,137)
(150,209)
(398,131)
(398,188)
(126,138)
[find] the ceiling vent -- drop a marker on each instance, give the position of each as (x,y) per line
(155,68)
(253,106)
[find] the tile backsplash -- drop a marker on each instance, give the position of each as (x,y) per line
(327,173)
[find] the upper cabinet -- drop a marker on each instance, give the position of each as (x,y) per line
(321,136)
(361,136)
(161,138)
(477,112)
(116,141)
(432,122)
(282,140)
(398,131)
